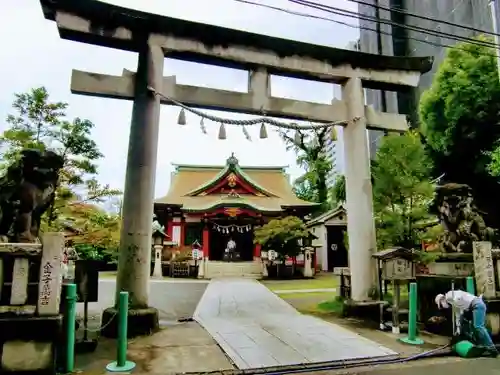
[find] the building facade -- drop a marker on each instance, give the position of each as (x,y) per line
(330,230)
(394,40)
(219,207)
(334,152)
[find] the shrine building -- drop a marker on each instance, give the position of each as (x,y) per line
(218,204)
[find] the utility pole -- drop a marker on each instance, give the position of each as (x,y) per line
(494,20)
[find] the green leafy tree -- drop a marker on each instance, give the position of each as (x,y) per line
(494,165)
(309,146)
(97,232)
(38,122)
(402,190)
(282,235)
(304,190)
(459,117)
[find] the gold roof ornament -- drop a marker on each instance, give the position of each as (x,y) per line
(231,180)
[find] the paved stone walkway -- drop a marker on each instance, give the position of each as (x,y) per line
(256,328)
(296,291)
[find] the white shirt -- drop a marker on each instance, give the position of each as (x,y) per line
(460,301)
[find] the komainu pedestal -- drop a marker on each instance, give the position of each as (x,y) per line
(30,321)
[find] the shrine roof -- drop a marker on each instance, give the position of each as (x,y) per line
(190,183)
(331,214)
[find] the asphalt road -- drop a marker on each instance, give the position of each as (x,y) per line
(174,299)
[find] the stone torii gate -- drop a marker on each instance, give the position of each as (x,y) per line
(153,37)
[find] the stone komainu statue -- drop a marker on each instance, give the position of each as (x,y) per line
(460,218)
(27,190)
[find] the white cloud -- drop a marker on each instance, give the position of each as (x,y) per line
(34,55)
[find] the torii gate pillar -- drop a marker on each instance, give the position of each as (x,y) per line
(134,260)
(359,200)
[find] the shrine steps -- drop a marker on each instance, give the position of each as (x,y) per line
(214,269)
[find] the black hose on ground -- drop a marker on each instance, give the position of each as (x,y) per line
(378,361)
(325,366)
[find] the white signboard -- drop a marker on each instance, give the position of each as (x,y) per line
(197,254)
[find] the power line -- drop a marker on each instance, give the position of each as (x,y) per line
(423,30)
(312,16)
(414,15)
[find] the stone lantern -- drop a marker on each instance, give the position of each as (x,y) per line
(158,242)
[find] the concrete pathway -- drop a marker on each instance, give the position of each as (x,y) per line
(160,281)
(294,291)
(256,328)
(174,300)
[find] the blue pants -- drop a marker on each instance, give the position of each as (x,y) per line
(478,321)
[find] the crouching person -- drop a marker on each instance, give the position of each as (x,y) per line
(467,303)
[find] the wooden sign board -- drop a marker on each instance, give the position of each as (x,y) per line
(483,267)
(398,269)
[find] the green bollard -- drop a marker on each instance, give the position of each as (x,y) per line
(470,285)
(412,319)
(71,298)
(121,364)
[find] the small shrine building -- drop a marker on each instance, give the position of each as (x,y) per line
(218,204)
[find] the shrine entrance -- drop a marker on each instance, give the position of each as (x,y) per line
(336,249)
(152,36)
(224,230)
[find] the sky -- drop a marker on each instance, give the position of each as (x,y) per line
(34,55)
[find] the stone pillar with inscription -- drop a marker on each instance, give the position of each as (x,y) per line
(483,269)
(134,261)
(485,281)
(49,290)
